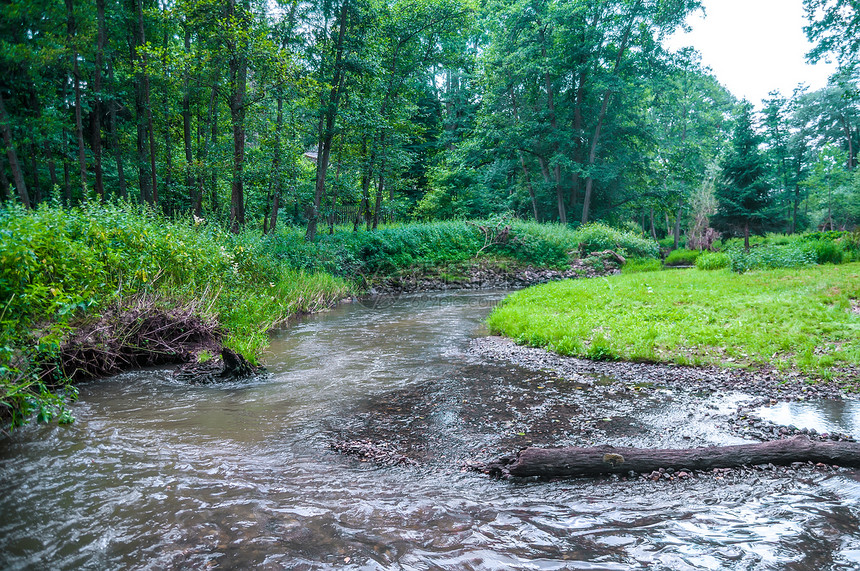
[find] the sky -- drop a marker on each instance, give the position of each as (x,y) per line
(754,46)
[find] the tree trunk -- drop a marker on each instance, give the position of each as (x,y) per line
(326,126)
(676,231)
(209,140)
(52,168)
(378,205)
(145,105)
(601,460)
(522,160)
(35,186)
(190,187)
(67,178)
(367,169)
(214,183)
(168,142)
(747,235)
(141,105)
(529,186)
(275,192)
(592,154)
(380,184)
(653,228)
(17,173)
(76,79)
(114,135)
(4,182)
(239,84)
(550,104)
(276,202)
(336,188)
(96,134)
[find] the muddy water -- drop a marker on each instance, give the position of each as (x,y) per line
(156,474)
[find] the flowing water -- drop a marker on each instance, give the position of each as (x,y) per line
(158,474)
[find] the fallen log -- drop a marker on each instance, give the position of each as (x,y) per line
(602,460)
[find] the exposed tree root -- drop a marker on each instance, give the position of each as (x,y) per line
(230,366)
(139,333)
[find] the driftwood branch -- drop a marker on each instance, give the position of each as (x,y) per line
(601,460)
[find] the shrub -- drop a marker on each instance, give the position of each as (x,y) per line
(830,252)
(713,261)
(595,237)
(682,257)
(640,265)
(794,255)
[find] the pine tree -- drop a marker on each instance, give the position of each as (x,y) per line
(743,195)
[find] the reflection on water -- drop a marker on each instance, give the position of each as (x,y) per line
(832,416)
(156,474)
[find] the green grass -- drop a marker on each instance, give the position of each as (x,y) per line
(641,265)
(797,319)
(682,257)
(713,261)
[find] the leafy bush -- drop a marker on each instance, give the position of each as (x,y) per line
(595,237)
(783,251)
(682,257)
(713,261)
(640,265)
(794,255)
(830,252)
(398,247)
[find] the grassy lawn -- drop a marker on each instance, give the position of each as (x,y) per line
(798,319)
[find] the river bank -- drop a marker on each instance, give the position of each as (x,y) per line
(94,290)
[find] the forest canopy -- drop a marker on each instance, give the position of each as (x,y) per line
(364,111)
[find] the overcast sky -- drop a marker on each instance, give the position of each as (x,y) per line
(754,46)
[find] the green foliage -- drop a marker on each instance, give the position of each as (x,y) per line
(713,261)
(798,319)
(772,257)
(742,196)
(640,265)
(783,251)
(596,237)
(397,247)
(833,247)
(682,257)
(58,265)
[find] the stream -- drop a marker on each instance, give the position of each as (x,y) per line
(156,474)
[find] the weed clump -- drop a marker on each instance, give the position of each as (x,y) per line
(641,265)
(713,261)
(682,257)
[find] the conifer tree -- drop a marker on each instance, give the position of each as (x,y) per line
(743,195)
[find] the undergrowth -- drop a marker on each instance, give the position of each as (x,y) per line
(60,267)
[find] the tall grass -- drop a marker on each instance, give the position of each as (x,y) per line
(59,266)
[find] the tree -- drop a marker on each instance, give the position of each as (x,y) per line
(834,29)
(743,193)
